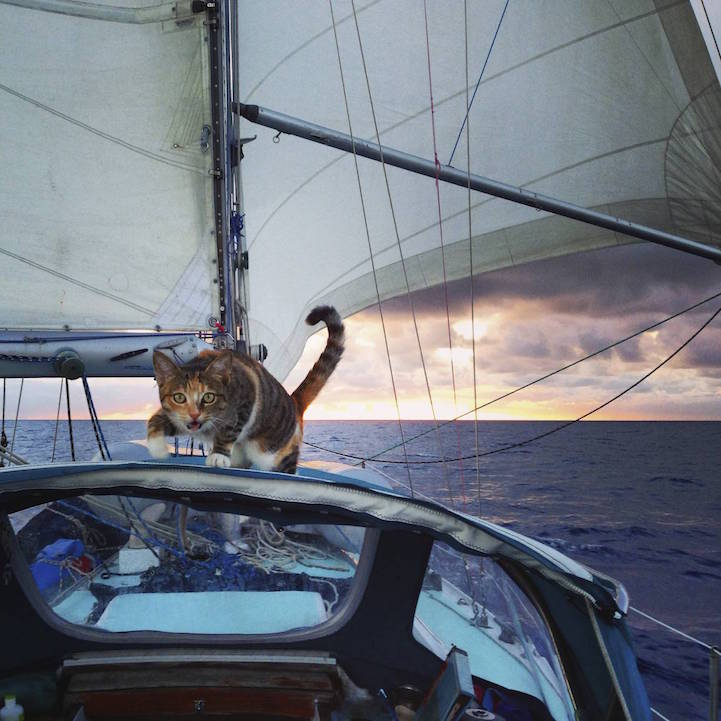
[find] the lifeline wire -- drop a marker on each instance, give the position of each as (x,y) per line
(659,714)
(674,630)
(370,249)
(568,423)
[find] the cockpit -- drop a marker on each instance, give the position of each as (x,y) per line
(144,591)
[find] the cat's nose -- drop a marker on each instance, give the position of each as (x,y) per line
(194,414)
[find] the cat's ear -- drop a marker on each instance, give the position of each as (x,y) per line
(164,368)
(221,366)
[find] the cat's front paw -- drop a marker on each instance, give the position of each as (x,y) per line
(157,447)
(219,460)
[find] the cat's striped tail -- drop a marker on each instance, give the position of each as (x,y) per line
(306,392)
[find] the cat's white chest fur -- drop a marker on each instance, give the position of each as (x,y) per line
(254,456)
(157,447)
(244,454)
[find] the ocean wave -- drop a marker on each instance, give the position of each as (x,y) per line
(675,480)
(702,575)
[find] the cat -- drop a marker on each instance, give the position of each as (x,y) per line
(230,402)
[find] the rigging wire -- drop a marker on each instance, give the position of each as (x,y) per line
(57,422)
(393,217)
(470,267)
(3,437)
(17,417)
(370,250)
(437,165)
(86,387)
(548,375)
(710,26)
(99,435)
(70,419)
(488,55)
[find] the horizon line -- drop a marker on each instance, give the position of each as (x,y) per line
(444,421)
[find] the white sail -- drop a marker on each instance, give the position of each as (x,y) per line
(106,210)
(612,106)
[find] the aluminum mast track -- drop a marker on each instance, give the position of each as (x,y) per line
(325,136)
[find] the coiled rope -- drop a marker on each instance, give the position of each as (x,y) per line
(264,545)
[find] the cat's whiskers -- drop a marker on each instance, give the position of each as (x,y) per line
(213,421)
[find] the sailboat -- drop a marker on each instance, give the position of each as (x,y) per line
(185,175)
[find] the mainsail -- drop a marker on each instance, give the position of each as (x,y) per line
(612,106)
(106,202)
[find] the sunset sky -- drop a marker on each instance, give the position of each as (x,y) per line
(529,320)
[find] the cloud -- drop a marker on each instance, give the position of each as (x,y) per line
(467,329)
(114,398)
(704,352)
(607,283)
(532,319)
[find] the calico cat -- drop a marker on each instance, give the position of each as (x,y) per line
(231,402)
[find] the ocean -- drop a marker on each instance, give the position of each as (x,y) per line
(640,501)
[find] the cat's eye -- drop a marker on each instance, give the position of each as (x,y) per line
(208,398)
(179,397)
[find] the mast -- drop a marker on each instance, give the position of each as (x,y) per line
(449,174)
(221,36)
